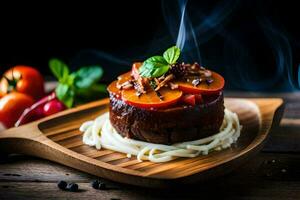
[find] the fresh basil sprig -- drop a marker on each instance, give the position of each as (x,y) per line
(157,66)
(79,86)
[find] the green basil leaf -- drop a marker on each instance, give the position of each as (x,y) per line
(154,67)
(70,79)
(61,91)
(59,69)
(172,54)
(87,76)
(65,94)
(160,71)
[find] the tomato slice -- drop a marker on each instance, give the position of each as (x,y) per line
(192,99)
(203,88)
(112,88)
(151,98)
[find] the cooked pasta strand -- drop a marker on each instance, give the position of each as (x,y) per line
(100,133)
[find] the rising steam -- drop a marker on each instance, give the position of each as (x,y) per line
(231,51)
(181,36)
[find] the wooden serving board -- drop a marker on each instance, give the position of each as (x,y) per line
(57,138)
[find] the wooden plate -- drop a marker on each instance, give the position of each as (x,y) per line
(57,138)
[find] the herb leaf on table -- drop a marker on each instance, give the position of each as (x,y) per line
(79,86)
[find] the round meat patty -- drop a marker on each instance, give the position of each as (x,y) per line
(178,123)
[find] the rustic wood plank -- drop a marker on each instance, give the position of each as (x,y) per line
(25,168)
(267,176)
(50,191)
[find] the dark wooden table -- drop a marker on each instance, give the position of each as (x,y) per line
(273,174)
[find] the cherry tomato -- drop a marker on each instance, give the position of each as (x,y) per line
(11,107)
(53,106)
(23,79)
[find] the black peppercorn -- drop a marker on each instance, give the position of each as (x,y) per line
(62,185)
(73,187)
(95,184)
(102,186)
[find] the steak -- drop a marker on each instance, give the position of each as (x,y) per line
(178,123)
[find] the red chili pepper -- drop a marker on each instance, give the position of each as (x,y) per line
(53,106)
(36,111)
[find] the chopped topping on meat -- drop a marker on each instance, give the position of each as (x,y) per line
(178,70)
(173,86)
(195,66)
(164,82)
(209,81)
(139,87)
(197,81)
(207,73)
(126,85)
(158,80)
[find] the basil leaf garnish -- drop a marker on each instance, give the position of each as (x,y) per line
(157,66)
(172,54)
(154,67)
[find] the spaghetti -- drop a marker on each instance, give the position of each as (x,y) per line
(101,134)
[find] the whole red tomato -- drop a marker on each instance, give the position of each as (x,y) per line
(23,79)
(12,106)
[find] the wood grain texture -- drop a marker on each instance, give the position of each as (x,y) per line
(57,138)
(268,176)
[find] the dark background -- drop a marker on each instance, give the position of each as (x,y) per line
(31,34)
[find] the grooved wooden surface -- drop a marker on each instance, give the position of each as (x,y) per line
(272,174)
